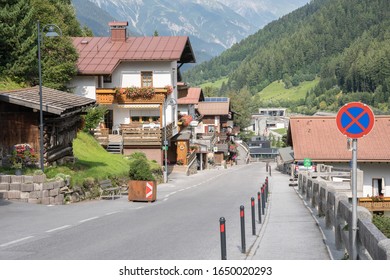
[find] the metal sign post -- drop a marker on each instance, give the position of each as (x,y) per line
(354,200)
(354,120)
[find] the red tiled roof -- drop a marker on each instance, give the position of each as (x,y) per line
(100,55)
(193,96)
(213,108)
(319,139)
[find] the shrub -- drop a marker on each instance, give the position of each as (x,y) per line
(137,155)
(140,170)
(383,224)
(23,155)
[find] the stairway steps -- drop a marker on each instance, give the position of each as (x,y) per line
(114,148)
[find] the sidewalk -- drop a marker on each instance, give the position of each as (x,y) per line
(289,231)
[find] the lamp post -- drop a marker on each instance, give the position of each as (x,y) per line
(50,33)
(171,102)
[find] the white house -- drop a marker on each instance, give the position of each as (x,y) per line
(319,139)
(136,78)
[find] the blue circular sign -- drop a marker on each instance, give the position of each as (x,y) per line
(355,119)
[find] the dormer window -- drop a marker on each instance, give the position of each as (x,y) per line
(146,79)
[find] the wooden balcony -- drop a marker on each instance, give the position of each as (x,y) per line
(382,204)
(108,96)
(142,137)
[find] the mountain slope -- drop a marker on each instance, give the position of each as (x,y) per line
(346,42)
(301,41)
(213,26)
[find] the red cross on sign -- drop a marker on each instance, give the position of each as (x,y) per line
(149,190)
(355,120)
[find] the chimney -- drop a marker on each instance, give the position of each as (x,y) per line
(118,30)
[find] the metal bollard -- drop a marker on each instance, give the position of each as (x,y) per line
(222,230)
(242,219)
(253,216)
(259,205)
(262,200)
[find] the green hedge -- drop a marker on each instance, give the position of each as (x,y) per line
(383,224)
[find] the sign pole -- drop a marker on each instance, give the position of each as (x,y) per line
(354,120)
(354,200)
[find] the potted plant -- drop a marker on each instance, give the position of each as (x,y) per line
(142,184)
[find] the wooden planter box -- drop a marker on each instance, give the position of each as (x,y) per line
(142,190)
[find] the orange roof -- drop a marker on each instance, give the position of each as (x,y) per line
(101,55)
(213,108)
(319,139)
(194,95)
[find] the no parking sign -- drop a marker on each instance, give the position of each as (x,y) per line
(355,120)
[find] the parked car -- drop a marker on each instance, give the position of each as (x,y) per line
(298,166)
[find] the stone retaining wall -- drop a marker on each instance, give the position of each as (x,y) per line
(32,189)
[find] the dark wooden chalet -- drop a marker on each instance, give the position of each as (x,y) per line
(19,120)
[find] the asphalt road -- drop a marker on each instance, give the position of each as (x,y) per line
(182,224)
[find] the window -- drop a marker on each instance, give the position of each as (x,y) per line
(210,129)
(146,79)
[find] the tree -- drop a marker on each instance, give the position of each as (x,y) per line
(242,106)
(18,22)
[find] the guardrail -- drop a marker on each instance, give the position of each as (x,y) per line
(335,207)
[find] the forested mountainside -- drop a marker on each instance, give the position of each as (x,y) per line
(18,41)
(345,42)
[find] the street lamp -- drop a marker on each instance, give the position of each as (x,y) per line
(171,102)
(51,33)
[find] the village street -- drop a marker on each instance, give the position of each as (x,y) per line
(182,224)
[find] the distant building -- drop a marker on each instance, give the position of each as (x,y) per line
(267,120)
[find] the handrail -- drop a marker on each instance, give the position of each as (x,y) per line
(191,159)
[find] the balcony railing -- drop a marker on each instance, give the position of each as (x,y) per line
(141,137)
(109,96)
(373,204)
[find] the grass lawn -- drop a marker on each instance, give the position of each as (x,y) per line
(7,84)
(217,84)
(280,131)
(92,161)
(276,91)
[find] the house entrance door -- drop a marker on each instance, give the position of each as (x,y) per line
(377,186)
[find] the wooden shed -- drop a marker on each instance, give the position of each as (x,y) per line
(19,120)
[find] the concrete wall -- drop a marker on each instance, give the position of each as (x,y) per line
(84,86)
(332,204)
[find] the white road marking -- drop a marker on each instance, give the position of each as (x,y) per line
(112,213)
(59,228)
(89,219)
(16,241)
